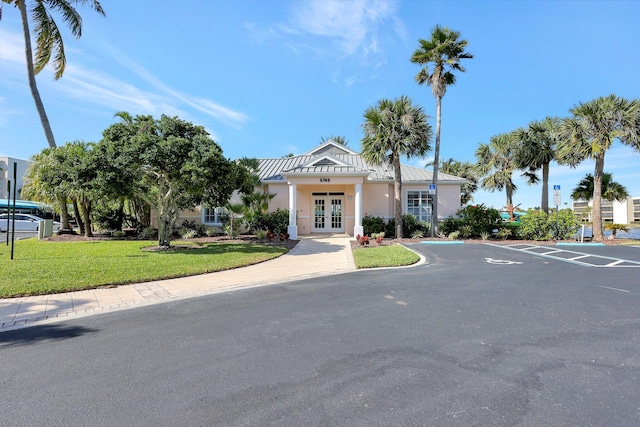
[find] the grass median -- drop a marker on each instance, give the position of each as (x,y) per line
(384,256)
(45,267)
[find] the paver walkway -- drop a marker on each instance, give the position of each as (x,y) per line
(312,257)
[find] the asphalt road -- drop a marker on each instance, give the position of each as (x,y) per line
(463,340)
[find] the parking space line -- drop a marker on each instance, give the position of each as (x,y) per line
(531,249)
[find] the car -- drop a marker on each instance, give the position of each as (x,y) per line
(24,222)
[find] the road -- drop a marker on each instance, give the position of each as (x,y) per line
(480,335)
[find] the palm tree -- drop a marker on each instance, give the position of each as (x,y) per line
(48,42)
(464,170)
(339,139)
(393,129)
(591,131)
(611,190)
(443,50)
(536,150)
(496,163)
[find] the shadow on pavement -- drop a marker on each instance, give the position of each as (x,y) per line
(37,334)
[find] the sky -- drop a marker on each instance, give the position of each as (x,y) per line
(271,77)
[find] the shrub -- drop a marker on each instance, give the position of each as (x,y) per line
(454,235)
(537,225)
(362,240)
(261,234)
(188,234)
(478,219)
(373,224)
(230,231)
(449,225)
(275,222)
(503,233)
(118,234)
(148,233)
(211,232)
(484,235)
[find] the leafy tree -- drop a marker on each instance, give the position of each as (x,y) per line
(337,139)
(44,182)
(496,163)
(444,51)
(590,132)
(611,190)
(173,165)
(48,42)
(393,129)
(536,149)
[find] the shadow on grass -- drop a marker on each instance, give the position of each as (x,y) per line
(37,334)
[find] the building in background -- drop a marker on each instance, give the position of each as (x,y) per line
(6,174)
(624,212)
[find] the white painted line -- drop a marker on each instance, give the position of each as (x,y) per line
(578,257)
(620,261)
(553,252)
(615,289)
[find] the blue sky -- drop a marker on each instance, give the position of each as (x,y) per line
(272,77)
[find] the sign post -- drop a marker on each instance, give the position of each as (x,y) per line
(432,226)
(556,201)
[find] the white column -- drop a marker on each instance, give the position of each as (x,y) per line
(358,229)
(292,229)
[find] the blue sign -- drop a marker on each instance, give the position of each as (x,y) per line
(556,187)
(432,187)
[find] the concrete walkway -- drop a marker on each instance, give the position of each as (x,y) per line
(312,257)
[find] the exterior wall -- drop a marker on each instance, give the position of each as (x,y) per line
(377,200)
(6,174)
(625,212)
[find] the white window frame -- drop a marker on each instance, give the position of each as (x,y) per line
(218,212)
(418,211)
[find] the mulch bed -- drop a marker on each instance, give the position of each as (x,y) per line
(176,243)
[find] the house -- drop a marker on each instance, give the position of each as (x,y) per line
(330,188)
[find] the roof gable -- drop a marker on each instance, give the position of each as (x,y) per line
(330,147)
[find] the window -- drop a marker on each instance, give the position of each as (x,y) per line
(419,204)
(214,216)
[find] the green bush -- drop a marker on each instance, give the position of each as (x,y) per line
(277,222)
(410,226)
(537,225)
(373,224)
(449,225)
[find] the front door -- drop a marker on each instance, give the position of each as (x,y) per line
(328,215)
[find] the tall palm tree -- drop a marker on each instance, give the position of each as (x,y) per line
(48,42)
(611,190)
(536,149)
(393,129)
(591,131)
(444,50)
(496,163)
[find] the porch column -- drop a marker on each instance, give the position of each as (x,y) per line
(292,229)
(358,229)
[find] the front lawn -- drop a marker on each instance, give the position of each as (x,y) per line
(384,256)
(45,267)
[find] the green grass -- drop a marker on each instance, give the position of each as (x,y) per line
(384,256)
(44,267)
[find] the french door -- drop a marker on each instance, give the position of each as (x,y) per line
(328,214)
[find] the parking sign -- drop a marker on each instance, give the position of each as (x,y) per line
(556,195)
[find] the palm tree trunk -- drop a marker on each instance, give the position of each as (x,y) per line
(397,186)
(78,215)
(436,167)
(64,216)
(32,75)
(598,235)
(545,188)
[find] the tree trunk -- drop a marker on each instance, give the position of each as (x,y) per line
(78,215)
(436,167)
(85,208)
(64,216)
(598,235)
(397,191)
(545,188)
(44,120)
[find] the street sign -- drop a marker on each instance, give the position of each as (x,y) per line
(556,195)
(432,189)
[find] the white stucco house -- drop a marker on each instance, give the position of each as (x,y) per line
(330,188)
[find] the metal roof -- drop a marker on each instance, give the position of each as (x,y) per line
(345,165)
